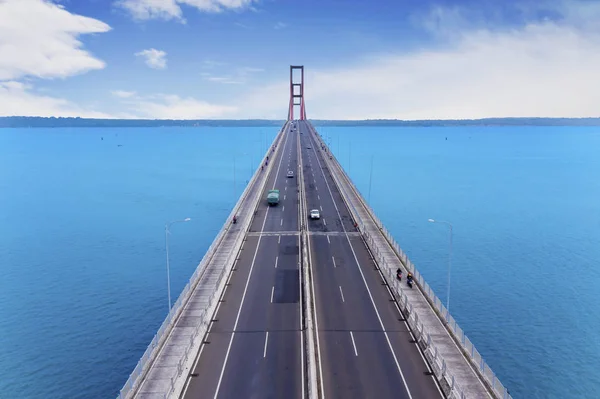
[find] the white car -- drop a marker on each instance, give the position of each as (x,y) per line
(314,214)
(290,173)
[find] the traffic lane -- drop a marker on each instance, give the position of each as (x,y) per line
(379,374)
(284,355)
(272,180)
(368,372)
(408,354)
(326,184)
(245,376)
(314,201)
(264,371)
(336,197)
(234,291)
(328,298)
(319,197)
(346,374)
(341,374)
(362,316)
(262,209)
(284,218)
(362,311)
(203,380)
(284,215)
(272,297)
(289,206)
(212,354)
(356,311)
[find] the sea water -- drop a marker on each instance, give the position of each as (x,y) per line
(82,252)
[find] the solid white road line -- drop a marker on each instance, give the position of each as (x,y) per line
(266,342)
(353,343)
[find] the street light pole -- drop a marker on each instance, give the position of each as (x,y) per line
(167,232)
(349,157)
(234,177)
(370,179)
(449,260)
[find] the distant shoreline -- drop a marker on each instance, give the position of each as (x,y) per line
(51,122)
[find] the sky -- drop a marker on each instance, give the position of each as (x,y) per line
(230,59)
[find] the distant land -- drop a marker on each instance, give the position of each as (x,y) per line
(33,122)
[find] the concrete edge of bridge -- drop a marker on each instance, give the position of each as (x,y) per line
(135,381)
(445,380)
(312,359)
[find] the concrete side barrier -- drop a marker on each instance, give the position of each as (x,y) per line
(309,306)
(389,256)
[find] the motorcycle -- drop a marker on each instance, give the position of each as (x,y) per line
(399,275)
(234,219)
(409,282)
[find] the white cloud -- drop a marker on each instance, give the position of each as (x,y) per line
(154,58)
(122,93)
(210,64)
(223,79)
(169,106)
(280,25)
(39,38)
(237,76)
(545,68)
(248,70)
(170,9)
(17,99)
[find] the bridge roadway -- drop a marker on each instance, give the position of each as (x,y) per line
(256,342)
(254,347)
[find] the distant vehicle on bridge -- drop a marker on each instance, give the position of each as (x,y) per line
(290,173)
(273,197)
(315,214)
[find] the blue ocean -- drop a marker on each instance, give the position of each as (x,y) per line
(83,285)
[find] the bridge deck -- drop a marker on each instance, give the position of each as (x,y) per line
(255,343)
(242,332)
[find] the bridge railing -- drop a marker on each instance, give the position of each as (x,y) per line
(438,363)
(143,365)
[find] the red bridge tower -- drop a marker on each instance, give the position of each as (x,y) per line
(297,92)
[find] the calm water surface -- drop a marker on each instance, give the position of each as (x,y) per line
(82,262)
